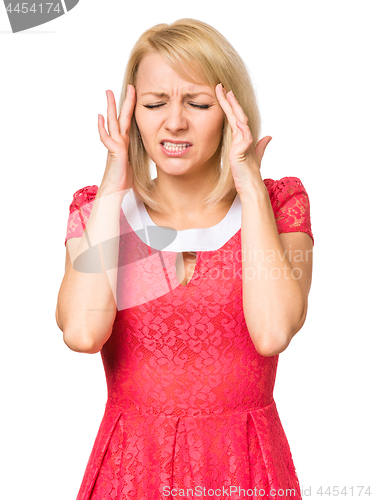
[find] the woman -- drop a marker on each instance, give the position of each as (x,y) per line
(186,283)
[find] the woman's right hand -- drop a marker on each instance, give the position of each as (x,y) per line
(118,175)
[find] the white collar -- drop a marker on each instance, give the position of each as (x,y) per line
(186,240)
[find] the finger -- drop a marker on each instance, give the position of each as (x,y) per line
(127,110)
(247,138)
(227,108)
(112,121)
(105,138)
(238,111)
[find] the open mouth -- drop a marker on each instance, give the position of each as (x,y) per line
(172,147)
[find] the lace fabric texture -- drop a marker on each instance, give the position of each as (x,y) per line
(190,401)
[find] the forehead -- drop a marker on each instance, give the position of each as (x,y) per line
(155,74)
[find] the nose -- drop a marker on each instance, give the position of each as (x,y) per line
(175,119)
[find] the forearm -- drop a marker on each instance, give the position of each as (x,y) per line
(273,303)
(87,299)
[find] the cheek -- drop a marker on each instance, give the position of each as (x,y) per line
(138,118)
(146,125)
(213,130)
(141,124)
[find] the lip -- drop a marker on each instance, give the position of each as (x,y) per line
(176,153)
(176,142)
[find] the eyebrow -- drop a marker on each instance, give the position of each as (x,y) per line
(163,94)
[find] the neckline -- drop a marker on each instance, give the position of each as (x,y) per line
(203,241)
(193,239)
(145,215)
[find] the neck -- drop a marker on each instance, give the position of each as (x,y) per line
(185,193)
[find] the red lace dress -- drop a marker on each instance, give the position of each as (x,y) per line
(190,408)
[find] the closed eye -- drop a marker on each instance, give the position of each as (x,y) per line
(201,106)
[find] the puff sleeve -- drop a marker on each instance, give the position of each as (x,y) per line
(291,205)
(80,209)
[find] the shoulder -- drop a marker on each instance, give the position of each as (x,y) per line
(286,189)
(284,186)
(82,197)
(291,205)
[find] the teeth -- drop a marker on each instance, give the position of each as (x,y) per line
(170,146)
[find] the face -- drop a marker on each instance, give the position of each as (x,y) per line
(165,112)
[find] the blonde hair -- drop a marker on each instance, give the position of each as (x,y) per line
(207,53)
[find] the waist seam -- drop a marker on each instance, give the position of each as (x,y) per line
(110,405)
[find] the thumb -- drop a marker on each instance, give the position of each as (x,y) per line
(261,146)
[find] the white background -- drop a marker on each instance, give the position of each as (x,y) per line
(310,63)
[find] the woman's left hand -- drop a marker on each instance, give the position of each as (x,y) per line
(244,159)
